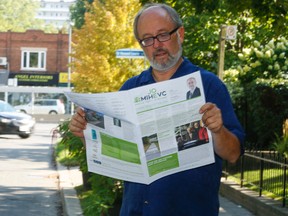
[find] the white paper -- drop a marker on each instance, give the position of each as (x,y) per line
(132,135)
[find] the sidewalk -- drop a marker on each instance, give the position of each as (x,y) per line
(70,178)
(251,200)
(229,208)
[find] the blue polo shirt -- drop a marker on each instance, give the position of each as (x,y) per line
(192,192)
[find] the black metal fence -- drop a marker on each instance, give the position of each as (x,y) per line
(261,171)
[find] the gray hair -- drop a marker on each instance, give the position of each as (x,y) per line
(174,16)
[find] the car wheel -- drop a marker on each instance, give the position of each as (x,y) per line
(24,136)
(53,112)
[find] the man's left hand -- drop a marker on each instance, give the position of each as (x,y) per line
(212,117)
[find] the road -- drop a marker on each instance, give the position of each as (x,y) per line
(28,179)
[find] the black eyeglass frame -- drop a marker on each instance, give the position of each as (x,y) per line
(157,37)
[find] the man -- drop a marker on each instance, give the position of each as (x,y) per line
(180,143)
(160,33)
(203,134)
(194,91)
(193,130)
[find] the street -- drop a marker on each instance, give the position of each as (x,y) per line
(28,179)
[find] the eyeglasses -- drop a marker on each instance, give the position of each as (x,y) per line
(160,37)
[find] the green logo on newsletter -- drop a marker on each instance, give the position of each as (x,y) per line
(152,94)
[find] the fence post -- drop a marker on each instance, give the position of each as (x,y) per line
(226,170)
(284,184)
(261,174)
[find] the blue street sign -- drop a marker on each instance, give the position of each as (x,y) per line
(129,53)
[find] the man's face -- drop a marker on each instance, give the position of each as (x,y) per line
(161,55)
(191,83)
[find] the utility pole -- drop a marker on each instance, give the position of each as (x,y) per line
(221,56)
(226,33)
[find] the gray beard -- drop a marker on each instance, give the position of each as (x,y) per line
(172,60)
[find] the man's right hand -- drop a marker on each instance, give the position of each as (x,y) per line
(78,123)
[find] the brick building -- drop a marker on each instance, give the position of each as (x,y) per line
(35,58)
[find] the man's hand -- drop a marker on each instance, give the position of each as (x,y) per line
(78,123)
(226,144)
(212,117)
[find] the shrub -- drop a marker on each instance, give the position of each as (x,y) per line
(259,90)
(99,194)
(281,145)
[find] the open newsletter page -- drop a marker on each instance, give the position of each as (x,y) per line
(146,133)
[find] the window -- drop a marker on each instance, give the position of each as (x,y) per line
(33,59)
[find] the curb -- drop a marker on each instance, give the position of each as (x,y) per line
(251,200)
(70,201)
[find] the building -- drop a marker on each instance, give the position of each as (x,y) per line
(55,12)
(34,57)
(36,62)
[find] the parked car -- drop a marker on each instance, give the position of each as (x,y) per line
(13,122)
(43,106)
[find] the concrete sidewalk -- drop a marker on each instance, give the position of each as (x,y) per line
(251,200)
(68,180)
(72,177)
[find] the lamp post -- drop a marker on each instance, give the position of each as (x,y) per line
(69,54)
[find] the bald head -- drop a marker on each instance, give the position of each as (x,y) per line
(161,10)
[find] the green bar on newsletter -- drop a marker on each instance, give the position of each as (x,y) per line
(162,164)
(120,149)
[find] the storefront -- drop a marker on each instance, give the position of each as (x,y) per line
(21,95)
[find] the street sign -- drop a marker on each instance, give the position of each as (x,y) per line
(231,32)
(129,53)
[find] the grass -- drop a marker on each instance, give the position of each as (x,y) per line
(272,186)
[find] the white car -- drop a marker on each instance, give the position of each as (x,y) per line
(43,106)
(13,122)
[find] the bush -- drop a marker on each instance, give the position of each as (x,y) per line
(281,145)
(99,194)
(259,90)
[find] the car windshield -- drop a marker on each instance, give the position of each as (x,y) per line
(5,107)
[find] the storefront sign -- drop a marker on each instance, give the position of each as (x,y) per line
(63,77)
(25,79)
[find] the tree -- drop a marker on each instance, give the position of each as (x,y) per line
(18,16)
(108,27)
(202,20)
(78,10)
